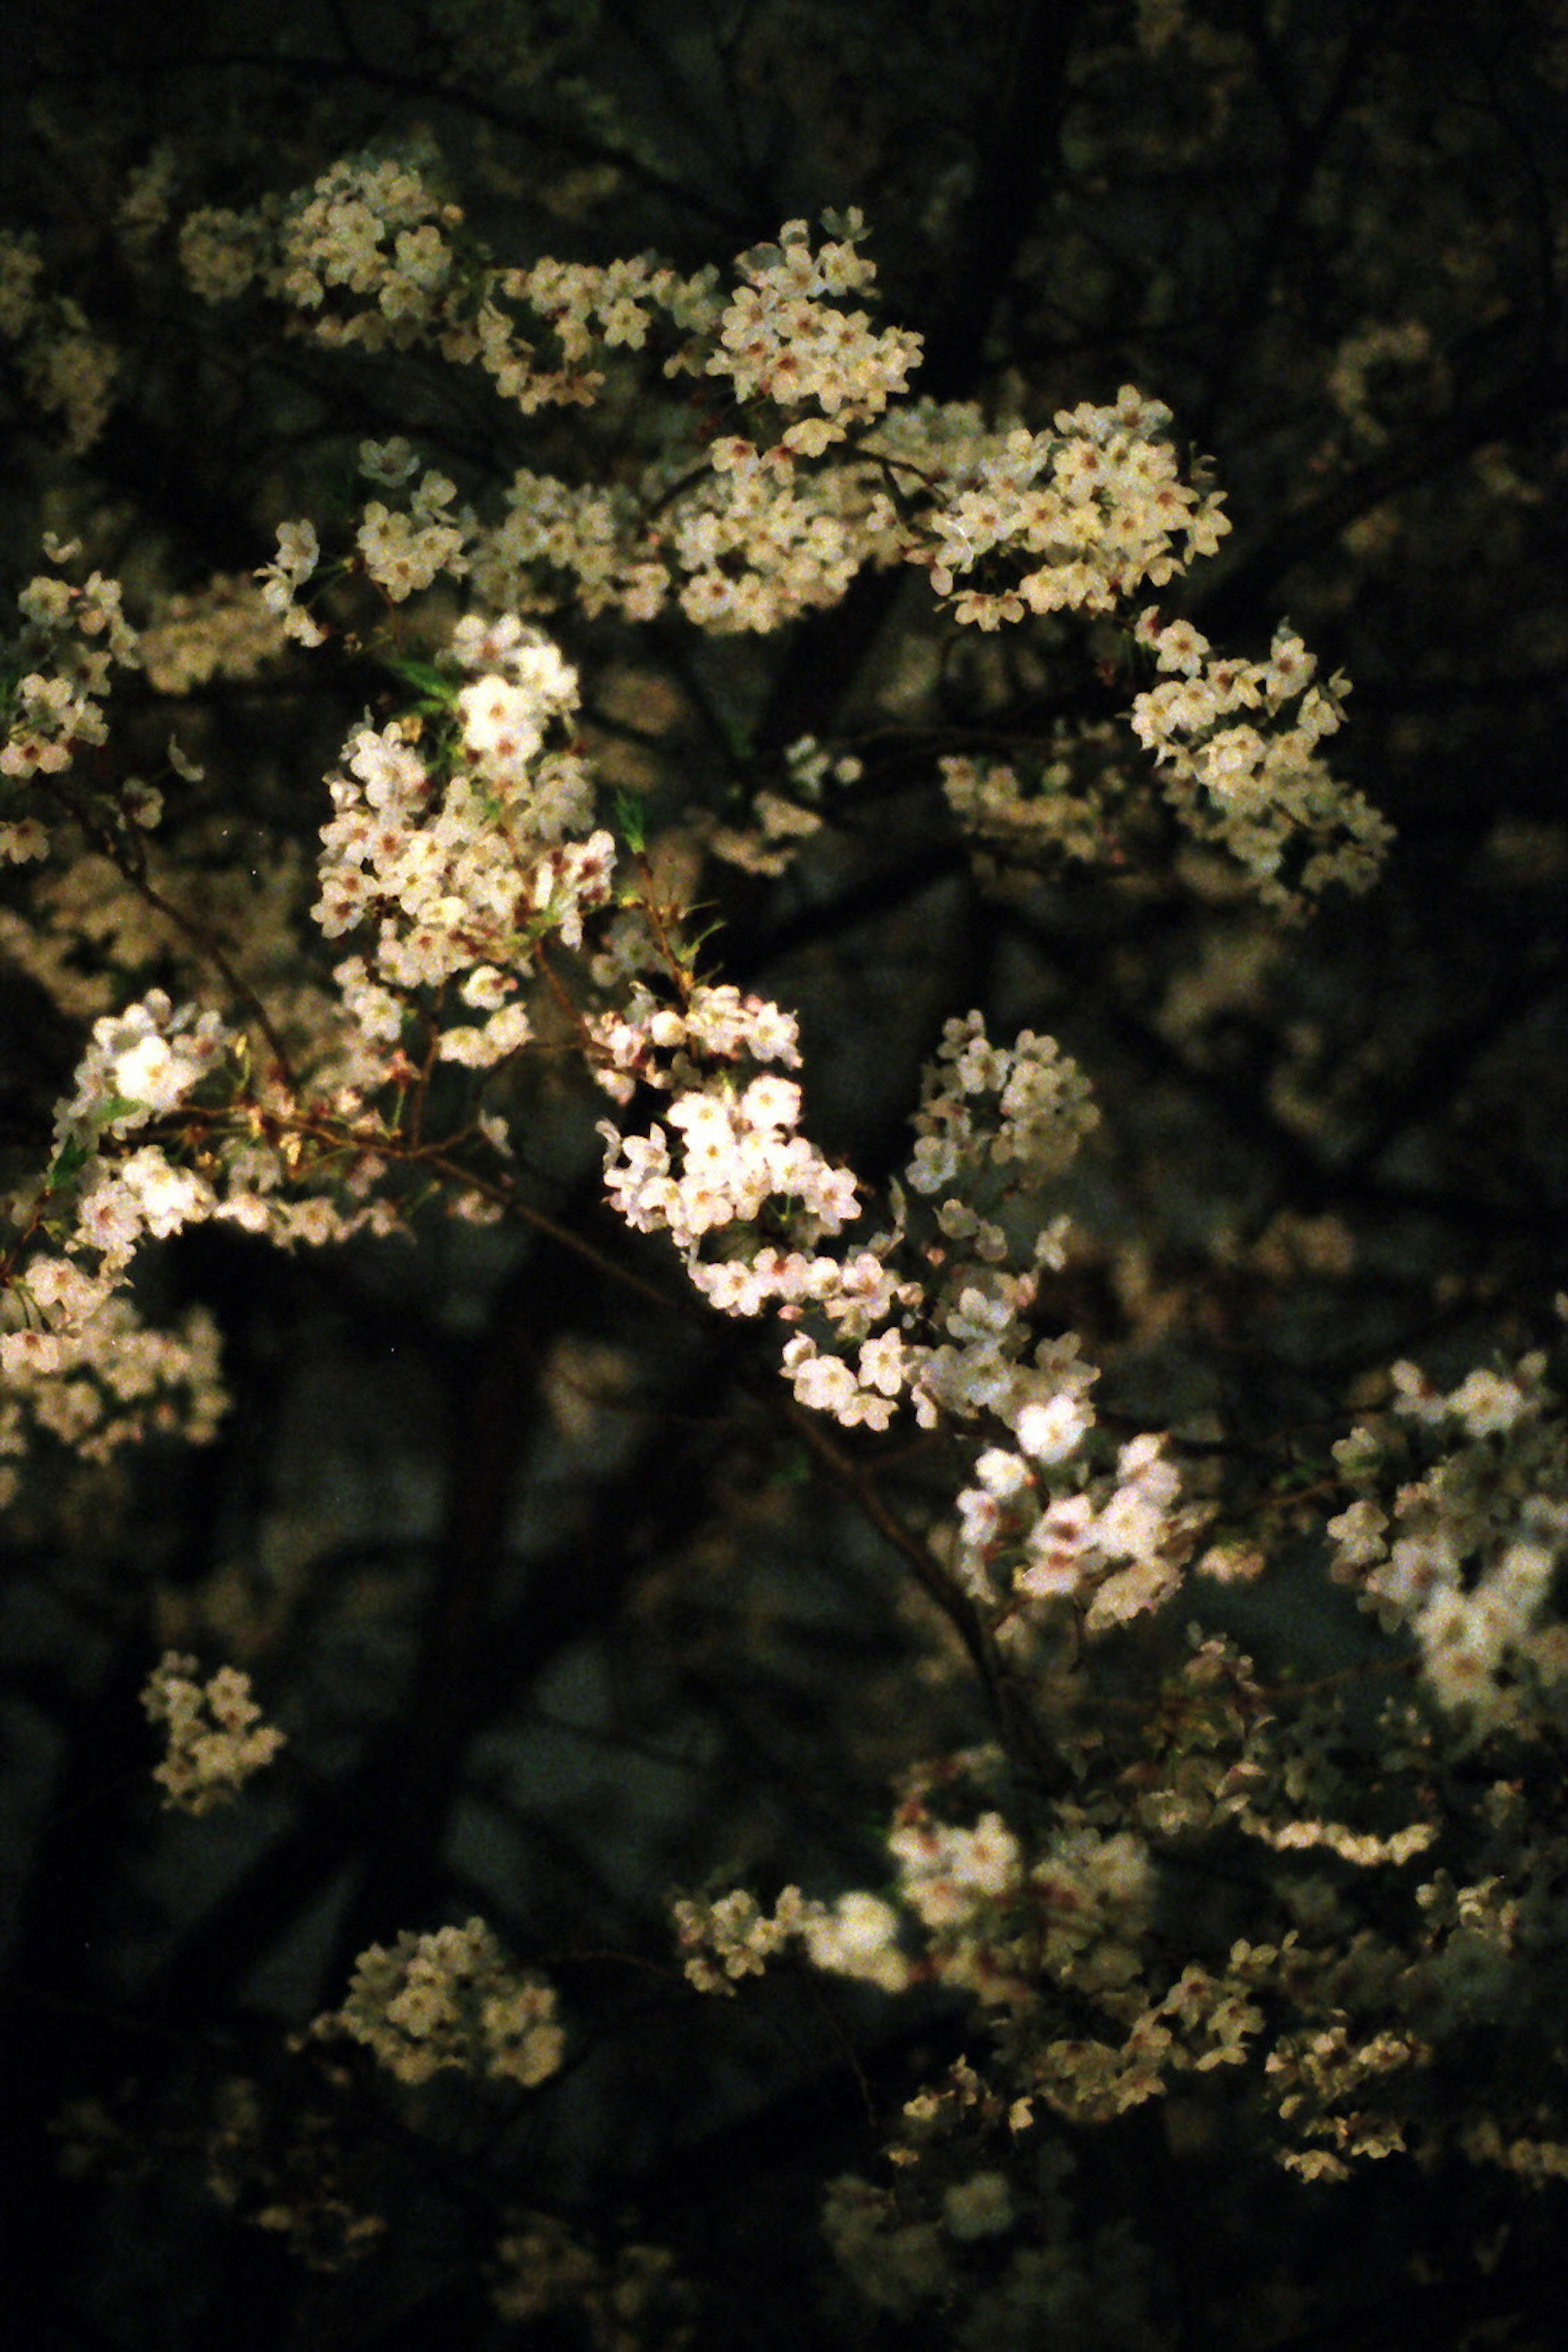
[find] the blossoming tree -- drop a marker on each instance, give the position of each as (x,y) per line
(737,1272)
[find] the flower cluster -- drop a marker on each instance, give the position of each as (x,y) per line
(736,1155)
(371,228)
(67,369)
(230,628)
(217,1737)
(976,1912)
(78,1361)
(1110,1559)
(1008,522)
(404,549)
(141,1064)
(592,536)
(1331,2084)
(1070,806)
(1466,1554)
(279,582)
(996,1920)
(1055,1934)
(731,1156)
(1237,743)
(1025,1109)
(613,305)
(449,1998)
(81,1366)
(761,542)
(630,2299)
(372,255)
(731,1937)
(1010,1118)
(782,337)
(72,639)
(460,878)
(1077,518)
(997,1126)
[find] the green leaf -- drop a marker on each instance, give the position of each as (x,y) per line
(631,816)
(121,1107)
(69,1160)
(436,691)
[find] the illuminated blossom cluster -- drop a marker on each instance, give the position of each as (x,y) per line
(611,305)
(766,541)
(783,337)
(1076,518)
(141,1064)
(1008,522)
(1023,1108)
(746,539)
(1112,1552)
(1237,743)
(944,1328)
(72,639)
(592,537)
(80,1365)
(450,1998)
(458,877)
(997,1127)
(748,529)
(731,1937)
(367,228)
(728,1152)
(964,1907)
(769,526)
(372,255)
(406,549)
(993,1917)
(1466,1554)
(217,1737)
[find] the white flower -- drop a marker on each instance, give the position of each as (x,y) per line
(858,1937)
(1052,1430)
